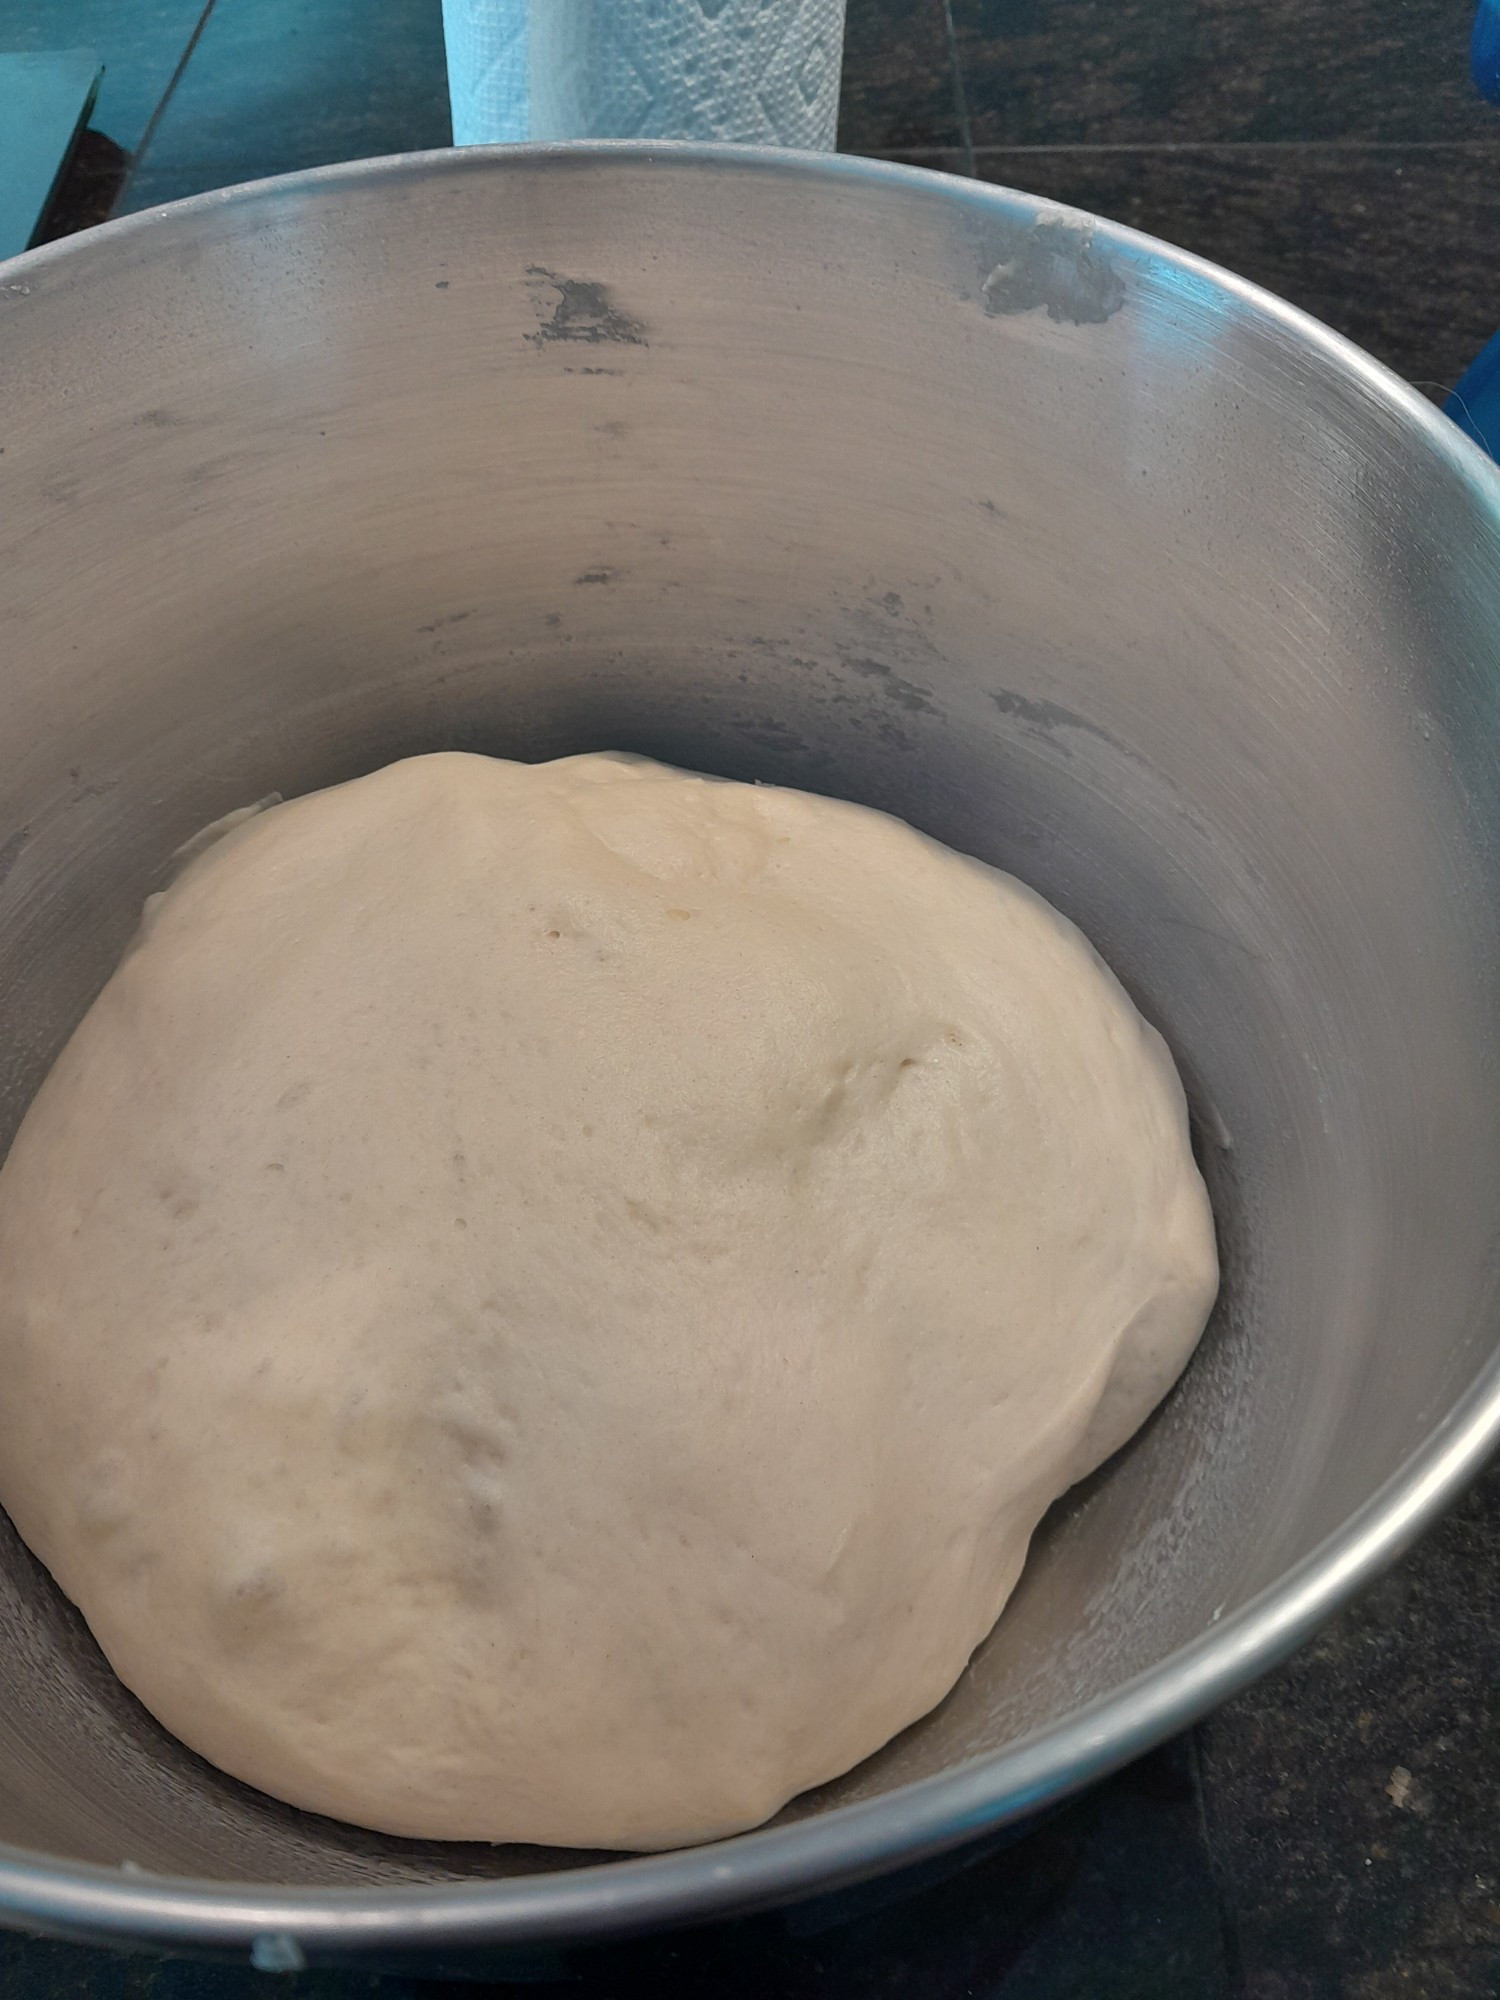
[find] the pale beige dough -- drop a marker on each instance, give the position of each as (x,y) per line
(545,1302)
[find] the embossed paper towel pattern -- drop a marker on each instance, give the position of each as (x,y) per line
(760,72)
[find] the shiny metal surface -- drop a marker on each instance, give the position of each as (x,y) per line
(1079,554)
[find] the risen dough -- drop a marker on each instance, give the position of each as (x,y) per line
(544,1302)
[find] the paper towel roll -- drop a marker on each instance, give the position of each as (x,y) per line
(763,72)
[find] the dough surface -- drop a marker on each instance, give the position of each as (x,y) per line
(544,1303)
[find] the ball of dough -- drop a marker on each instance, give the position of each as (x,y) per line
(544,1303)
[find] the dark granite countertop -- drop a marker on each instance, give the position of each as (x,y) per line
(1334,1834)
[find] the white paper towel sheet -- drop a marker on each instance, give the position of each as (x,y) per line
(763,72)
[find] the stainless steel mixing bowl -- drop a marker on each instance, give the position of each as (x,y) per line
(1076,552)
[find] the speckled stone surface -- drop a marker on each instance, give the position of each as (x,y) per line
(1352,1801)
(1145,72)
(1334,1833)
(898,88)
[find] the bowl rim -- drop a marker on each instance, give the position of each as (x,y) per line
(281,1927)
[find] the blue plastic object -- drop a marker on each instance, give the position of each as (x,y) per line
(1484,50)
(1475,404)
